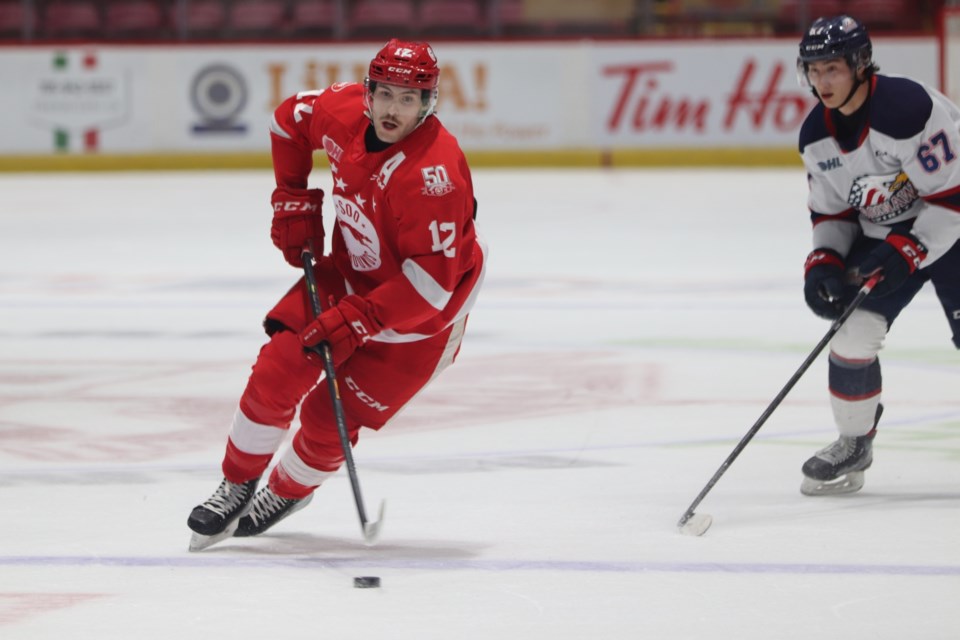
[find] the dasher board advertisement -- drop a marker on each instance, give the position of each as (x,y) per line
(618,95)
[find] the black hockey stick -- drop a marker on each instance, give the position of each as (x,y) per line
(697,524)
(371,530)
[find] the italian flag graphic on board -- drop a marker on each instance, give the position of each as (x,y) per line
(76,98)
(61,137)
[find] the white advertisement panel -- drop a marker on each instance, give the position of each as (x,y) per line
(726,93)
(716,95)
(493,96)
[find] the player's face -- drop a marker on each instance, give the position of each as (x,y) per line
(832,79)
(395,111)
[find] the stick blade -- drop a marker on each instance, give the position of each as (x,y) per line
(371,530)
(696,525)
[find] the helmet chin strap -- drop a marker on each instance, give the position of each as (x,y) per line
(853,90)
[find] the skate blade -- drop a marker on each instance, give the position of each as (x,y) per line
(199,542)
(849,483)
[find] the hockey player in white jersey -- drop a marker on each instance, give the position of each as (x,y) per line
(882,155)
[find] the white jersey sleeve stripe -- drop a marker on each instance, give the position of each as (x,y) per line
(428,288)
(472,298)
(276,129)
(391,336)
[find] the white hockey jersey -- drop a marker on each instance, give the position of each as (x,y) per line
(900,167)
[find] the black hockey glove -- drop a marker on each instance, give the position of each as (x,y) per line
(897,258)
(823,283)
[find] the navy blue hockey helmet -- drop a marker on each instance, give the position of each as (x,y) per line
(837,37)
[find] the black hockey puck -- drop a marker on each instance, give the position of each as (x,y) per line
(366,582)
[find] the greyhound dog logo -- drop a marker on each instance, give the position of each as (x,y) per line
(361,239)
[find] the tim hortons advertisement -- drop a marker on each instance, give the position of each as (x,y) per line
(716,94)
(493,96)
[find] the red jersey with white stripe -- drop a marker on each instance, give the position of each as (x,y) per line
(404,237)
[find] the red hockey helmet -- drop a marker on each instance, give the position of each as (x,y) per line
(411,64)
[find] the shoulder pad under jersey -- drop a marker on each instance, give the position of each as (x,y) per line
(814,127)
(899,107)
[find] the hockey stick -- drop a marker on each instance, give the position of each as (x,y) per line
(371,530)
(697,524)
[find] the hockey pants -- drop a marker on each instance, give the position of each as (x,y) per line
(375,383)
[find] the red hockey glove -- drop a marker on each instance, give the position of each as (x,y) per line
(297,222)
(344,327)
(897,258)
(823,283)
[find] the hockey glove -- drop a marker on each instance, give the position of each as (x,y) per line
(823,283)
(345,327)
(297,222)
(897,258)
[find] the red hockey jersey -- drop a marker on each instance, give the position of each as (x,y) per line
(404,237)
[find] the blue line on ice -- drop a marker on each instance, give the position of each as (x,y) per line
(204,561)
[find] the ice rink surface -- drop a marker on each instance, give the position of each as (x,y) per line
(633,326)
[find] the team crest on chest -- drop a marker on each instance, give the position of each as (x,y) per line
(359,234)
(882,198)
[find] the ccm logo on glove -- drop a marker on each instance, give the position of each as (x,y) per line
(910,247)
(296,205)
(897,257)
(345,327)
(297,222)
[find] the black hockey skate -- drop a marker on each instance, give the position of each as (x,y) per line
(267,510)
(217,518)
(838,468)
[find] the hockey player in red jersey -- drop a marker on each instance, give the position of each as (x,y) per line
(882,155)
(403,273)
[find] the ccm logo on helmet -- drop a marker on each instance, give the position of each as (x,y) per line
(399,70)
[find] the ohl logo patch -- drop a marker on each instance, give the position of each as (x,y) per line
(832,163)
(334,151)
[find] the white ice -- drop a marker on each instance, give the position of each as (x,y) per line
(633,327)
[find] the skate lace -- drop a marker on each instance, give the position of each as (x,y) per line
(839,450)
(226,498)
(266,505)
